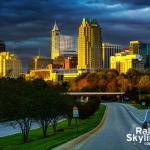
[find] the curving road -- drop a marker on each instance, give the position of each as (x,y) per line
(112,136)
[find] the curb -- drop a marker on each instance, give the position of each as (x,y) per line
(74,142)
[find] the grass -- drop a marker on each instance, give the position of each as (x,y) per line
(37,142)
(137,105)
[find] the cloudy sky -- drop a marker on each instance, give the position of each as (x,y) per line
(28,22)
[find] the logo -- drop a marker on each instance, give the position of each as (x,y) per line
(141,136)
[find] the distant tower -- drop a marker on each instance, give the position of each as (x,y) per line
(89,45)
(55,41)
(2,46)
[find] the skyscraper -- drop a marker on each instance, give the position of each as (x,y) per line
(55,44)
(61,44)
(67,45)
(89,45)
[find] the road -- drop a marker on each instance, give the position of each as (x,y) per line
(112,136)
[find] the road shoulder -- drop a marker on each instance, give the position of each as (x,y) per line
(71,144)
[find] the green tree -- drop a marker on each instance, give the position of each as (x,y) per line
(17,97)
(144,82)
(134,76)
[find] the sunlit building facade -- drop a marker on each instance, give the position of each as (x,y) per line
(70,62)
(89,45)
(55,41)
(123,62)
(108,50)
(138,47)
(10,65)
(54,75)
(134,47)
(39,62)
(61,44)
(67,45)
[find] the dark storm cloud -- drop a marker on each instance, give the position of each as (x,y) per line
(28,22)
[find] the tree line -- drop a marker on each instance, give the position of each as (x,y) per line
(133,83)
(24,102)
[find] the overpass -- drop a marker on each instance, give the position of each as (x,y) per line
(93,93)
(84,96)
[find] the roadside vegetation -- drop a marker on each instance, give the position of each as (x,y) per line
(24,102)
(63,134)
(137,105)
(136,85)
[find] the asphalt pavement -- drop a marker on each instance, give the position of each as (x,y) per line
(112,136)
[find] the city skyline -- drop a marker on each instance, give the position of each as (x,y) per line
(28,23)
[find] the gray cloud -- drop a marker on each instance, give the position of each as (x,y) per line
(28,22)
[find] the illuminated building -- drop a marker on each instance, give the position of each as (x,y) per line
(45,74)
(137,47)
(39,62)
(2,46)
(134,47)
(108,50)
(58,62)
(54,75)
(89,45)
(67,45)
(123,61)
(71,62)
(55,44)
(61,44)
(65,62)
(10,65)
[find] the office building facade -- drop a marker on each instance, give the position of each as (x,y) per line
(138,47)
(124,61)
(39,62)
(108,50)
(10,65)
(61,44)
(89,45)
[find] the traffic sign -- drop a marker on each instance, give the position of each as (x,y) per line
(75,112)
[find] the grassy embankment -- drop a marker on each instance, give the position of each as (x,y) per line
(37,142)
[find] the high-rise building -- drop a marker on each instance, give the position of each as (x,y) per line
(134,47)
(108,50)
(55,41)
(89,45)
(2,46)
(123,61)
(10,65)
(61,44)
(67,45)
(138,47)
